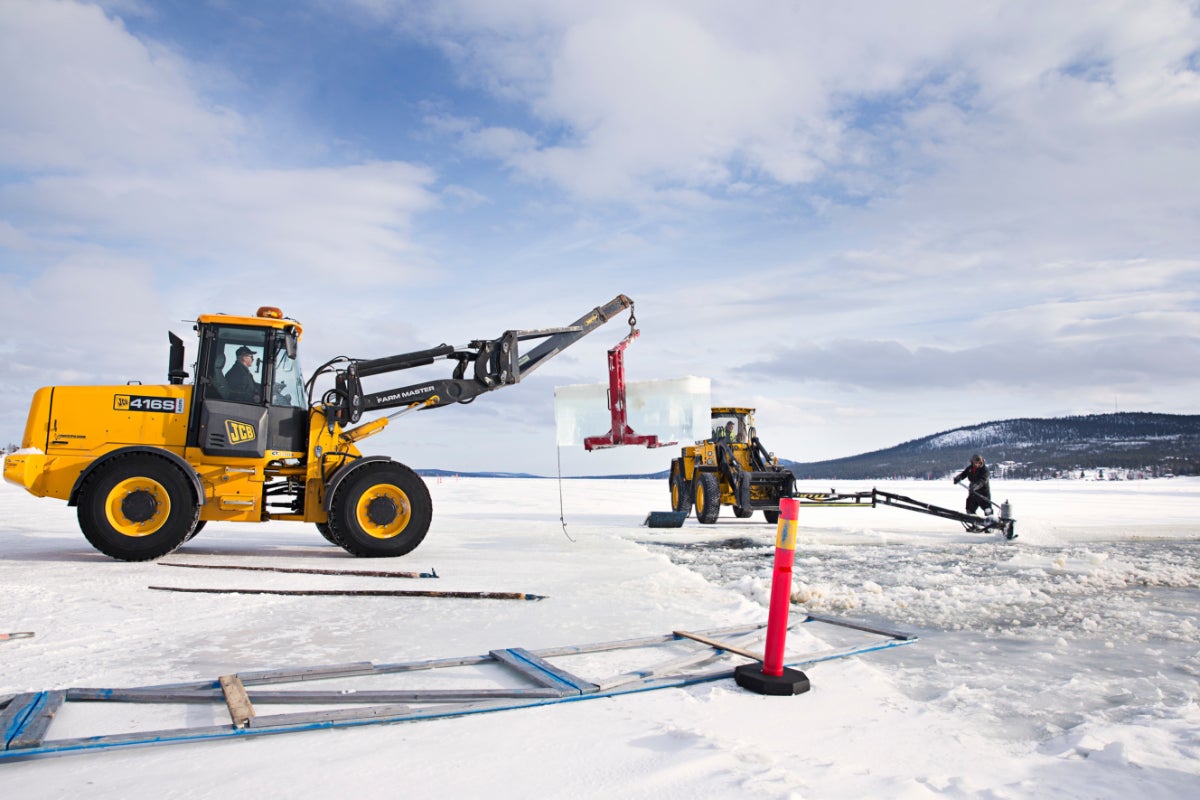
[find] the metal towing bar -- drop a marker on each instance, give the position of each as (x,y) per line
(870,499)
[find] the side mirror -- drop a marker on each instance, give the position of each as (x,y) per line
(289,343)
(175,372)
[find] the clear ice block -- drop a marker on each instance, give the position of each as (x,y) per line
(674,410)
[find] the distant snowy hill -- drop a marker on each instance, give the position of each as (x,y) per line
(1149,445)
(1131,444)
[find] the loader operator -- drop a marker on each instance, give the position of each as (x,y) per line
(239,380)
(725,434)
(980,495)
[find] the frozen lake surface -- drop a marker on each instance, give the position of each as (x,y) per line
(1062,664)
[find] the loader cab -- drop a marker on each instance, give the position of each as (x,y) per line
(738,421)
(250,398)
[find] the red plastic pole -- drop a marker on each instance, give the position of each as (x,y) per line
(781,587)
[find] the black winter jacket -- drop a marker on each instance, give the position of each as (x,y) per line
(977,477)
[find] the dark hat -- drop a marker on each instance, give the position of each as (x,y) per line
(977,457)
(244,351)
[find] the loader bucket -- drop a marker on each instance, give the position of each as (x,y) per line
(665,519)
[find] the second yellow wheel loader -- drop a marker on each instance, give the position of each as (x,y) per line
(730,468)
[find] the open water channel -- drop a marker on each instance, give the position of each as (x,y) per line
(1036,640)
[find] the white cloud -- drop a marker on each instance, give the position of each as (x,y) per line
(645,96)
(118,148)
(356,217)
(80,93)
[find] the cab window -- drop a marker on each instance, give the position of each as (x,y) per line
(288,386)
(236,372)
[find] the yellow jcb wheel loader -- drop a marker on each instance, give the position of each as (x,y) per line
(148,466)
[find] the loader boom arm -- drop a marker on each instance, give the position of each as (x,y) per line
(482,366)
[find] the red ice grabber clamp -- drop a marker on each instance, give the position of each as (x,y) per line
(772,677)
(621,433)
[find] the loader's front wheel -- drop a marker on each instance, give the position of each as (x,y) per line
(137,508)
(707,492)
(381,510)
(323,528)
(681,490)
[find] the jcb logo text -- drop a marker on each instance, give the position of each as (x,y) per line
(239,432)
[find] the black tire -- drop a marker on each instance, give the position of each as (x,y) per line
(771,515)
(707,493)
(742,513)
(198,527)
(325,531)
(382,510)
(137,508)
(681,490)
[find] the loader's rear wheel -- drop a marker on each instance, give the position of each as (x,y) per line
(381,510)
(707,491)
(742,513)
(771,515)
(137,508)
(681,490)
(198,527)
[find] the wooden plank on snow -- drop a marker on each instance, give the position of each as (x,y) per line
(240,708)
(719,645)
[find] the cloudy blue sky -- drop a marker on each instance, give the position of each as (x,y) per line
(872,221)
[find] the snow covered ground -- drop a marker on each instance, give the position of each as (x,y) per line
(1063,664)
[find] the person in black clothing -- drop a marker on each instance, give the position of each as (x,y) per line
(980,495)
(239,380)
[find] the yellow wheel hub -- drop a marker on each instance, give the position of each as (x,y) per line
(383,511)
(137,507)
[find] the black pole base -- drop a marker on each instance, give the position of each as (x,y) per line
(751,677)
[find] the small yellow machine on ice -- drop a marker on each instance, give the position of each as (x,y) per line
(148,466)
(730,468)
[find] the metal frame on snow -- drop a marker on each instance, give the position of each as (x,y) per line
(25,719)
